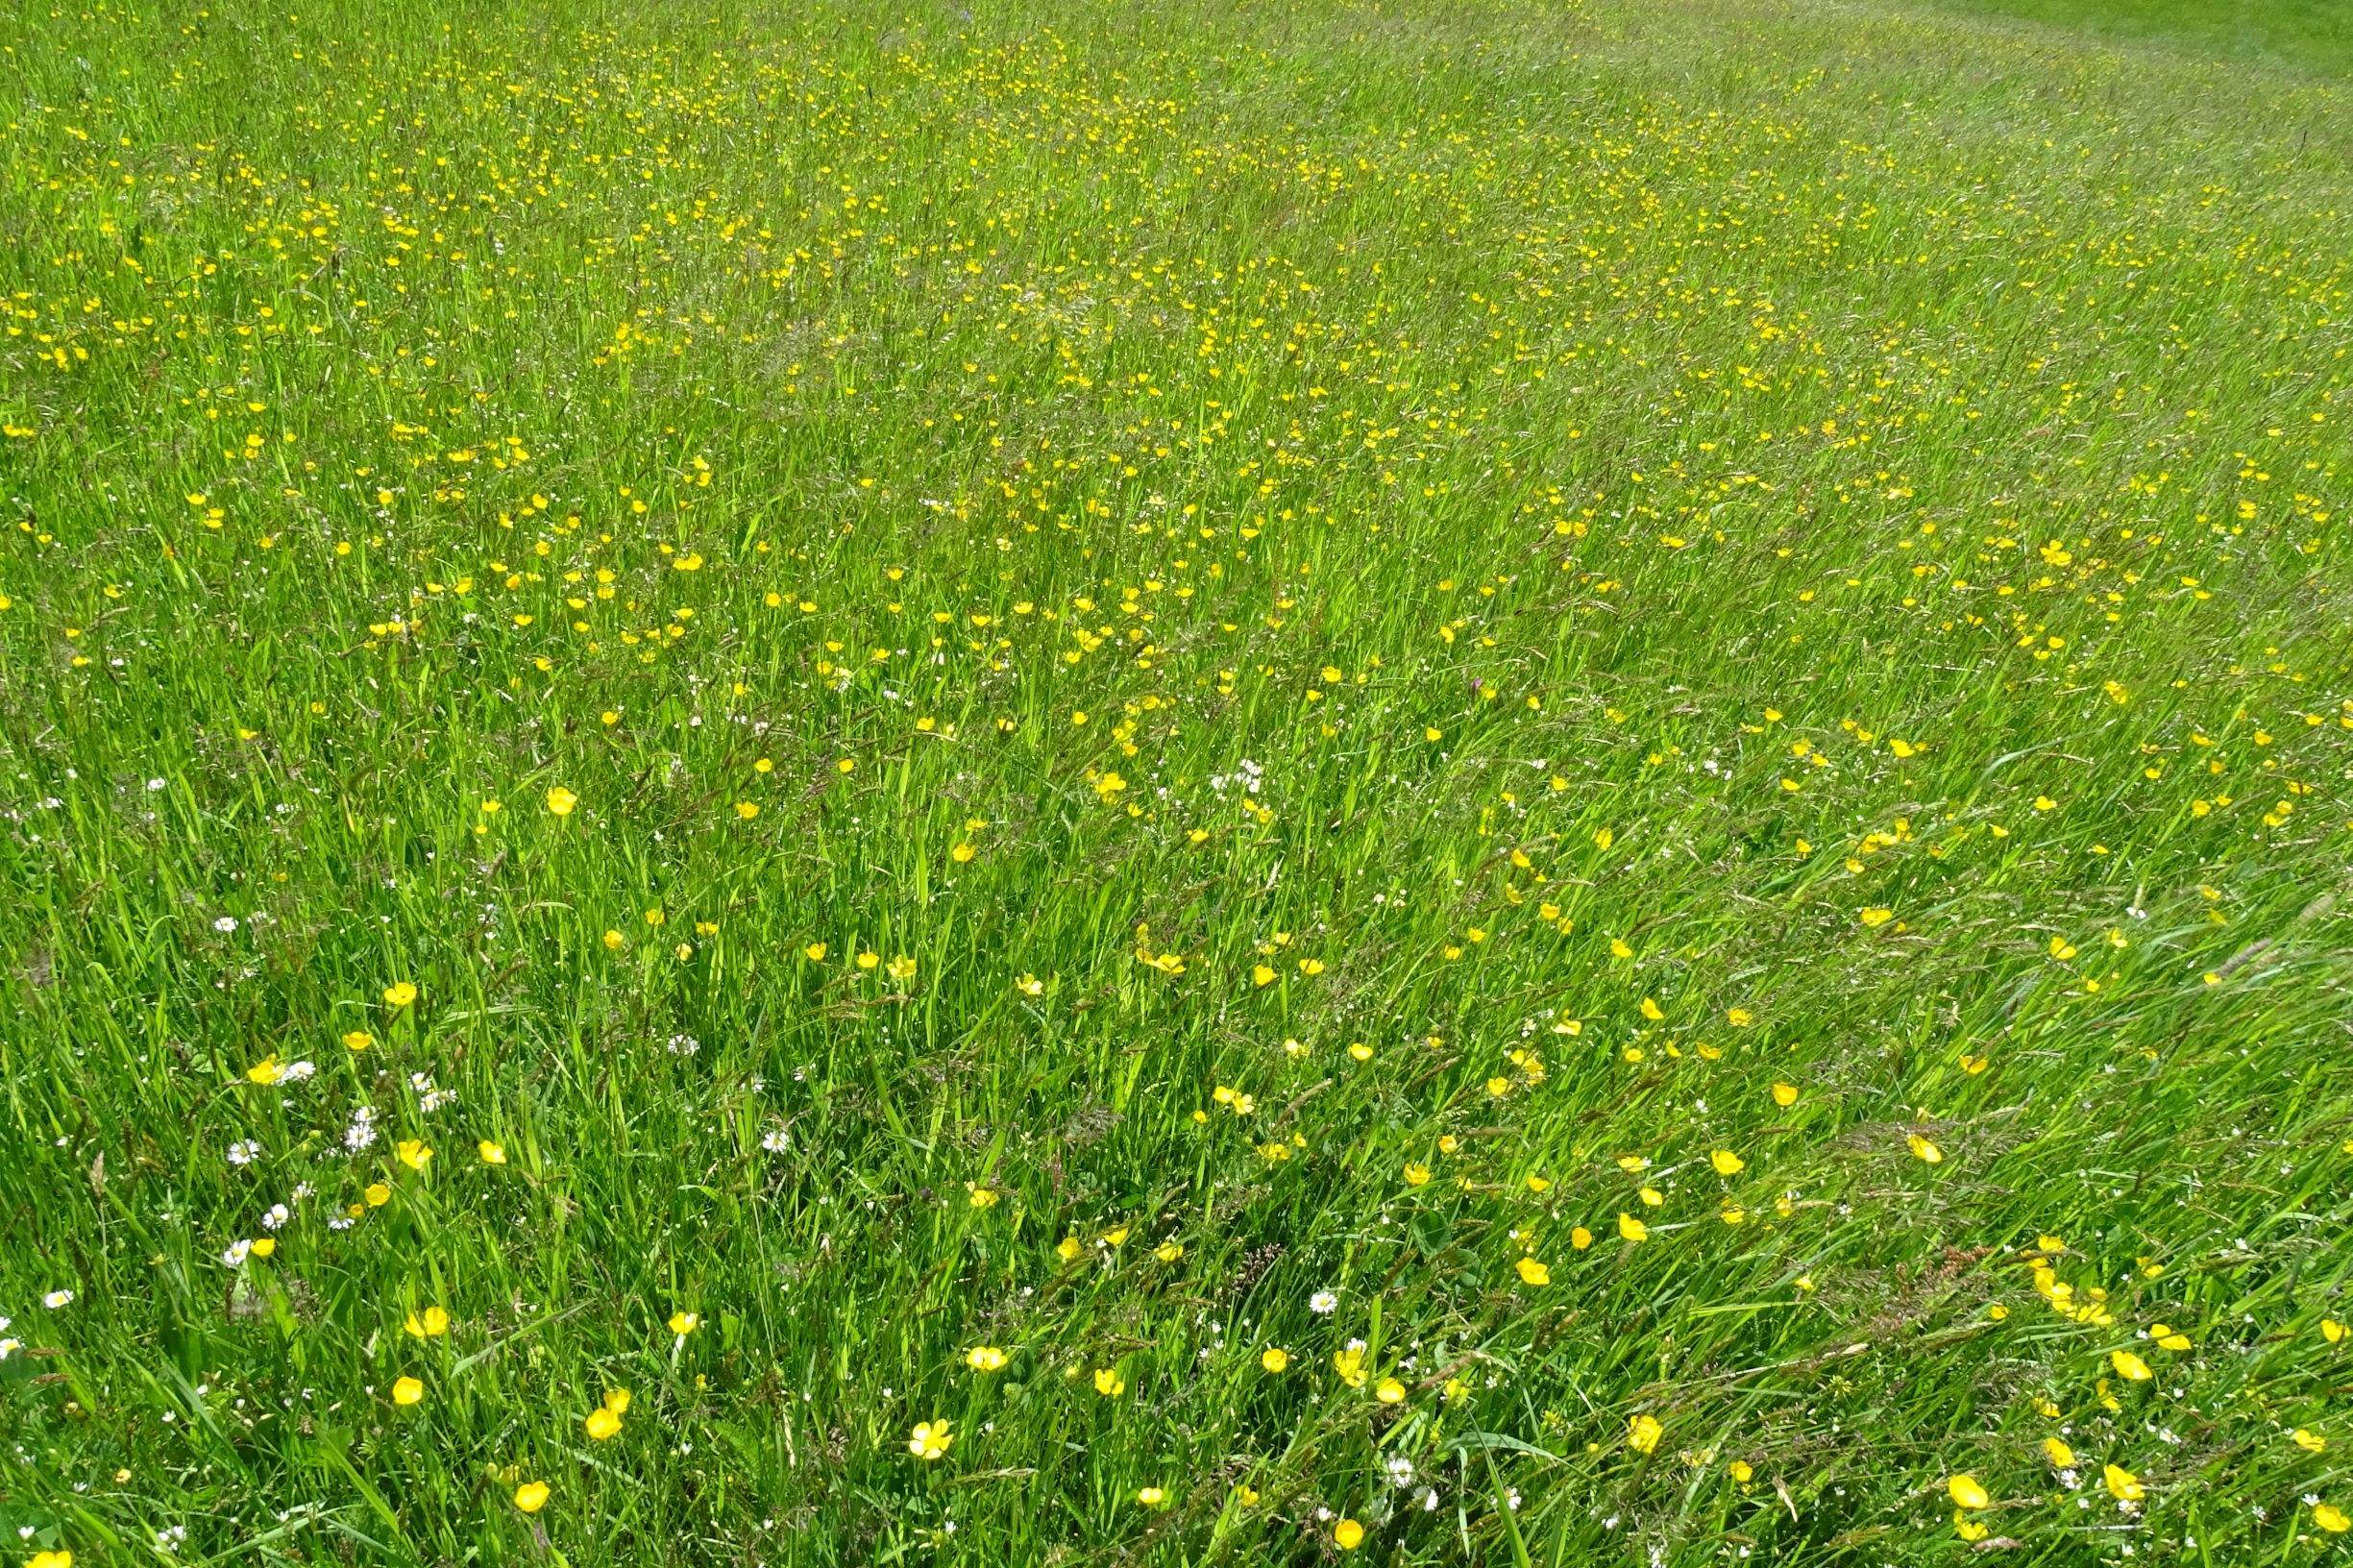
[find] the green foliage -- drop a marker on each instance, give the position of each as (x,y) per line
(1628,723)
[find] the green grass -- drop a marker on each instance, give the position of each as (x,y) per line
(2304,35)
(1198,655)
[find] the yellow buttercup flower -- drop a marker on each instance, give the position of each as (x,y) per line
(1642,1433)
(683,1323)
(1274,1358)
(399,993)
(560,801)
(930,1439)
(1532,1272)
(531,1496)
(985,1359)
(1965,1493)
(408,1392)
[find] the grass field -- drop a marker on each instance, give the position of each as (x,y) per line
(1407,783)
(2309,36)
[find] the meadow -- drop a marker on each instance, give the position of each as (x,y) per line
(1311,781)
